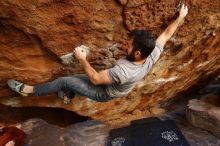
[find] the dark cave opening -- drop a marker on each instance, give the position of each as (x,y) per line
(57,116)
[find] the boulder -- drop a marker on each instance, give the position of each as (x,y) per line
(42,133)
(34,34)
(204,114)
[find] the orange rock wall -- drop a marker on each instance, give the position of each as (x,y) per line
(34,34)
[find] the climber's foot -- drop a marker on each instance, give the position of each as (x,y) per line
(62,96)
(17,87)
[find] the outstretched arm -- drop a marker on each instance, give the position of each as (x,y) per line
(95,77)
(167,34)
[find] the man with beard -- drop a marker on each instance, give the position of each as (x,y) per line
(142,52)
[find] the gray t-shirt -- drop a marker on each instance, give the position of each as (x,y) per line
(126,74)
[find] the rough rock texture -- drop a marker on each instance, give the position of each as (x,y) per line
(194,135)
(33,34)
(205,115)
(39,132)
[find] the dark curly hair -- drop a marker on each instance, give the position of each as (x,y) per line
(143,41)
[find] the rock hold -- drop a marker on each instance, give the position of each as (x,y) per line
(204,115)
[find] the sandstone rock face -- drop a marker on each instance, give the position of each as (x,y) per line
(204,115)
(34,34)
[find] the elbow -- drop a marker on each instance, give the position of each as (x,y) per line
(94,80)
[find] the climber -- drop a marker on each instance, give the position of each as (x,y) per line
(142,52)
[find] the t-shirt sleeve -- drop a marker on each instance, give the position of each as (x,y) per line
(155,54)
(118,74)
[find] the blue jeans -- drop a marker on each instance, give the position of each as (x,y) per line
(71,85)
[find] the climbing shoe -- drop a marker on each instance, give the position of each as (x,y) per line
(62,95)
(17,86)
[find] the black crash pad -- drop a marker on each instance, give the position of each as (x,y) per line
(148,132)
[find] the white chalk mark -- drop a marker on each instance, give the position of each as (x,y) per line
(163,80)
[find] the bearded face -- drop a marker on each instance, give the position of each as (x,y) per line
(129,50)
(130,56)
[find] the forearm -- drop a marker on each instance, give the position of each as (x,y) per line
(90,71)
(164,37)
(173,26)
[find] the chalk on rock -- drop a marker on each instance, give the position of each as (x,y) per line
(70,58)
